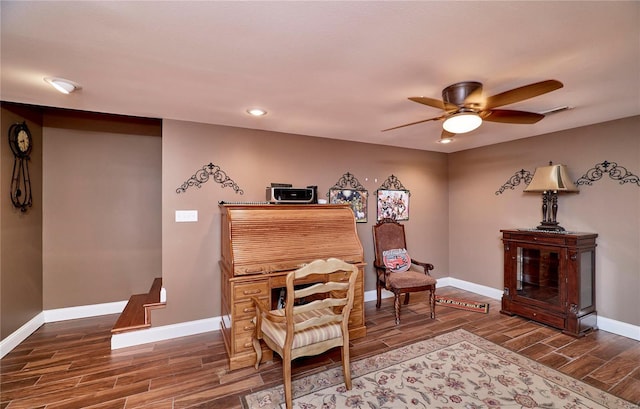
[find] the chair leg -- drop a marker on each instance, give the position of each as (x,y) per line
(378,293)
(396,305)
(346,366)
(432,303)
(406,298)
(286,375)
(256,346)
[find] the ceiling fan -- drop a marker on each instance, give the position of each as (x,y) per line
(465,106)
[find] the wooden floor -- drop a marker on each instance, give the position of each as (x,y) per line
(70,365)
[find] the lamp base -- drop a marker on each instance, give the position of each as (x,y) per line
(550,226)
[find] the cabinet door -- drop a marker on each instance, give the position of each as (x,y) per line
(539,277)
(581,281)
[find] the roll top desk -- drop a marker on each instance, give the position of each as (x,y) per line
(260,245)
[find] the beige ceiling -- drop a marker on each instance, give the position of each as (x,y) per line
(339,70)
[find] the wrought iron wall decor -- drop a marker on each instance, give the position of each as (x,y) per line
(349,190)
(347,181)
(392,183)
(614,171)
(519,176)
(210,171)
(392,200)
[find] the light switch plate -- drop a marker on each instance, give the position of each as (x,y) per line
(186,216)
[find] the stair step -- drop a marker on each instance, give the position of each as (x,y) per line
(153,297)
(137,312)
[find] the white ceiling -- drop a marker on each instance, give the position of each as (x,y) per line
(341,70)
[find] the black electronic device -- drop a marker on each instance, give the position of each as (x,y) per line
(292,195)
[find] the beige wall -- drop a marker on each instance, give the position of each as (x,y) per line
(254,159)
(102,204)
(20,233)
(110,198)
(608,208)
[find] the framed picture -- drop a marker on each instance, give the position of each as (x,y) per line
(393,204)
(356,198)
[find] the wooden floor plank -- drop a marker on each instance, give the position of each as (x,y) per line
(70,364)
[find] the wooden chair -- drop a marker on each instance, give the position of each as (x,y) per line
(315,318)
(388,234)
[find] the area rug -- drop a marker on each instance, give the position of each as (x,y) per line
(463,304)
(454,370)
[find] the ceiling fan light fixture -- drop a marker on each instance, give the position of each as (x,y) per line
(62,85)
(462,122)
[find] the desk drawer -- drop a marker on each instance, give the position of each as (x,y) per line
(243,331)
(244,327)
(243,344)
(243,292)
(246,310)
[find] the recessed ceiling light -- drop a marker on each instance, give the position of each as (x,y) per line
(62,85)
(445,140)
(256,112)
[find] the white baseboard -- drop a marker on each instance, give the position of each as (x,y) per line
(619,327)
(155,334)
(483,290)
(182,329)
(447,282)
(15,338)
(84,311)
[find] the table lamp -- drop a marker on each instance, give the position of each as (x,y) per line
(550,180)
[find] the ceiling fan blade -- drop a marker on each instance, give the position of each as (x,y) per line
(414,123)
(436,103)
(522,93)
(510,116)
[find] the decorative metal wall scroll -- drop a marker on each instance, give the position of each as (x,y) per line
(392,200)
(615,172)
(594,174)
(392,183)
(348,190)
(202,176)
(519,176)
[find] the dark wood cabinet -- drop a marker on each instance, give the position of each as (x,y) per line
(549,277)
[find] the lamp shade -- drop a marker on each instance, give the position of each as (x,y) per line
(551,178)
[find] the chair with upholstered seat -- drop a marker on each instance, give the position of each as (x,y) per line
(315,317)
(389,237)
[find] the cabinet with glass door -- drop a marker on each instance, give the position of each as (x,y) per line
(549,277)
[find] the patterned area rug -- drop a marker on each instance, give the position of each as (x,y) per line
(454,370)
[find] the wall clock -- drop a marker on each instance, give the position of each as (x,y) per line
(21,143)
